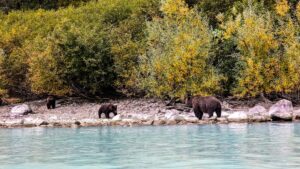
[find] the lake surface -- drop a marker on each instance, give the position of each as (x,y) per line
(233,146)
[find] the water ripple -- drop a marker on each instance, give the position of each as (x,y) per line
(233,146)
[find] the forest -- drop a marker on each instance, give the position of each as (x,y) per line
(150,48)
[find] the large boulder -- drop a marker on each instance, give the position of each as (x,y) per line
(282,111)
(258,114)
(20,110)
(239,116)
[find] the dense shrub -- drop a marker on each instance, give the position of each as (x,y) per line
(178,48)
(159,48)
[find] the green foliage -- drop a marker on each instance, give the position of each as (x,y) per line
(127,38)
(159,48)
(74,50)
(177,55)
(264,44)
(37,4)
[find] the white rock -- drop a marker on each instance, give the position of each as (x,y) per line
(33,121)
(257,110)
(191,119)
(141,116)
(13,122)
(53,118)
(20,110)
(224,114)
(258,114)
(239,116)
(177,118)
(281,111)
(171,113)
(117,117)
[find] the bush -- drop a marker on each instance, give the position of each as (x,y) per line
(177,55)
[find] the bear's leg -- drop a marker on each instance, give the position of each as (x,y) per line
(198,112)
(107,115)
(210,114)
(48,106)
(99,114)
(115,114)
(218,111)
(53,104)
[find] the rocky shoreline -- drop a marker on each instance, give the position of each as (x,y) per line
(136,112)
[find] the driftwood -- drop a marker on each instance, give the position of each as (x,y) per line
(179,107)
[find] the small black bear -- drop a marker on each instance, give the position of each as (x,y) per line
(106,109)
(1,101)
(51,102)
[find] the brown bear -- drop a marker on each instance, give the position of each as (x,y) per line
(204,104)
(106,109)
(51,102)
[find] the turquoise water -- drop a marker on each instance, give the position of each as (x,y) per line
(233,146)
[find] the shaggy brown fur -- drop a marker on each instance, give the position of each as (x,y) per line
(204,104)
(51,102)
(106,109)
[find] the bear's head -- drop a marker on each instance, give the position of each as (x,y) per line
(113,108)
(50,98)
(189,100)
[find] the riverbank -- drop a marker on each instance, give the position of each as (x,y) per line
(135,112)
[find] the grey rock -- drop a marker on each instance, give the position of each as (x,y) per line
(32,122)
(260,118)
(13,122)
(239,116)
(257,110)
(191,119)
(20,110)
(282,111)
(159,122)
(258,114)
(170,114)
(148,123)
(171,122)
(222,120)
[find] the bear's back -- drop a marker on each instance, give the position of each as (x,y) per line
(206,103)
